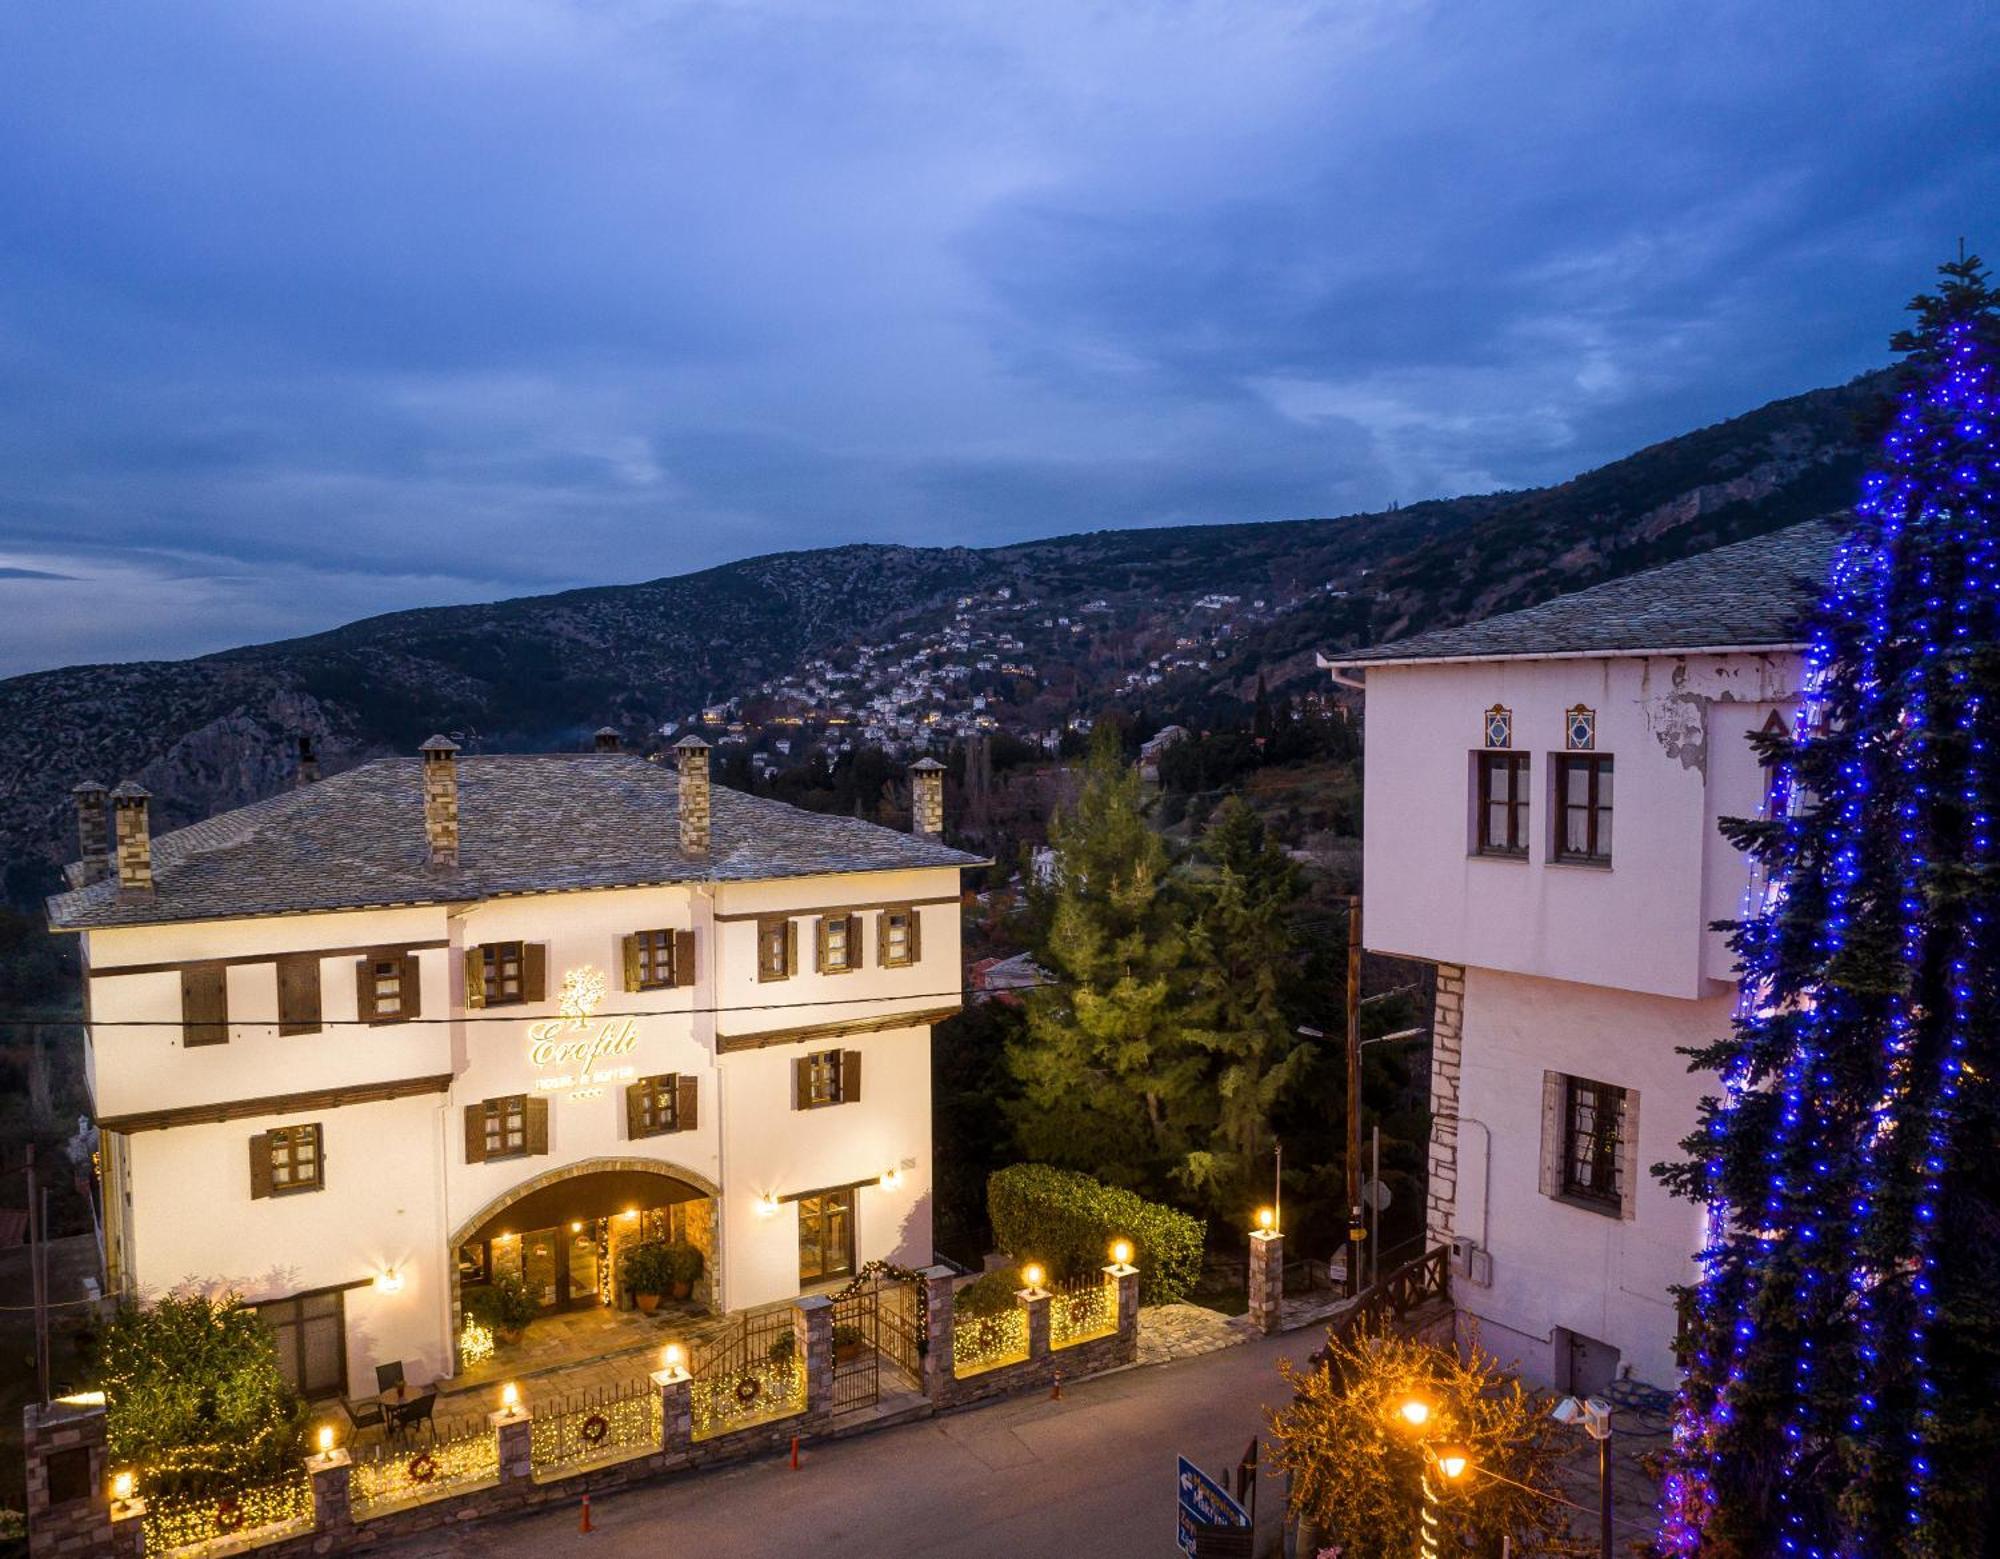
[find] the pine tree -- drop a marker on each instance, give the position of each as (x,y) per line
(1242,953)
(1110,1080)
(1843,1396)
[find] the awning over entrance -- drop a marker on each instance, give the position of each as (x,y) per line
(602,1194)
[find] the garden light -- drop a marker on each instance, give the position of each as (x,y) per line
(326,1439)
(1032,1276)
(671,1357)
(510,1399)
(121,1487)
(1121,1253)
(1416,1412)
(1267,1220)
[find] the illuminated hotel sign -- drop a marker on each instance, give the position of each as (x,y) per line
(587,1049)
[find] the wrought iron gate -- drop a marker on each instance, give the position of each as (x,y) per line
(877,1323)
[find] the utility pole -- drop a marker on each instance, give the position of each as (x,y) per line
(1356,1233)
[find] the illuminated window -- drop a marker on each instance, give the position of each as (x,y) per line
(502,973)
(296,1163)
(655,1106)
(826,1235)
(653,959)
(506,1126)
(827,1077)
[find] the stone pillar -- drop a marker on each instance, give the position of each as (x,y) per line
(676,1391)
(333,1512)
(440,756)
(694,806)
(69,1483)
(515,1433)
(927,797)
(1127,1279)
(812,1318)
(1447,1050)
(1267,1280)
(1036,1302)
(129,804)
(93,831)
(939,1282)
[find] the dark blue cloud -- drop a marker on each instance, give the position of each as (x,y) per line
(345,305)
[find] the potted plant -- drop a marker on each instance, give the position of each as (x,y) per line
(646,1273)
(506,1305)
(849,1342)
(683,1267)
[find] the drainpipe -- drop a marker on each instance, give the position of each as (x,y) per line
(1485,1178)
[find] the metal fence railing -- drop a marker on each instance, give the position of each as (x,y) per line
(1082,1310)
(985,1342)
(595,1425)
(247,1515)
(387,1477)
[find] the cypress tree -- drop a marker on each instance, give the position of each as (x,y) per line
(1845,1337)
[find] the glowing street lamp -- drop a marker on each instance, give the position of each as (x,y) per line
(1267,1220)
(1416,1412)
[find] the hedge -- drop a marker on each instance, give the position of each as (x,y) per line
(1067,1221)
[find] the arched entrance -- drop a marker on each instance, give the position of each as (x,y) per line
(561,1233)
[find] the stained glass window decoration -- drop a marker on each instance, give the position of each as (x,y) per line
(1499,726)
(1580,729)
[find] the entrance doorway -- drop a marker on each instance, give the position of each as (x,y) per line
(1584,1367)
(566,1267)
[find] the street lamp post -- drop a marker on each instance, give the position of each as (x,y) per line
(1447,1462)
(1594,1413)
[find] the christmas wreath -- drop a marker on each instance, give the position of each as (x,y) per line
(228,1514)
(595,1428)
(423,1467)
(747,1389)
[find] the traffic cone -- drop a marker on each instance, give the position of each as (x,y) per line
(1056,1394)
(583,1521)
(795,1453)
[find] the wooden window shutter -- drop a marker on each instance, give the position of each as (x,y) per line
(475,1133)
(916,933)
(475,977)
(683,958)
(535,1111)
(260,1166)
(1554,1101)
(535,973)
(850,1077)
(1628,1153)
(298,994)
(412,986)
(686,1104)
(205,1005)
(855,946)
(819,943)
(628,960)
(364,990)
(882,939)
(635,1109)
(802,1083)
(791,947)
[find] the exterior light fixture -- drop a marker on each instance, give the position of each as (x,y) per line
(1452,1460)
(767,1204)
(630,1212)
(1031,1275)
(576,1226)
(1267,1220)
(121,1487)
(388,1281)
(1416,1412)
(672,1357)
(1121,1253)
(510,1399)
(326,1439)
(891,1178)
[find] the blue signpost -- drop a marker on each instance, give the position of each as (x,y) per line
(1202,1502)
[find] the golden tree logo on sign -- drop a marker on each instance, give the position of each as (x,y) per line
(577,1040)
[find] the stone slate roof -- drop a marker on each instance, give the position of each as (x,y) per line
(527,824)
(1744,595)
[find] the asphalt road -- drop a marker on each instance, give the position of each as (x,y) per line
(1089,1477)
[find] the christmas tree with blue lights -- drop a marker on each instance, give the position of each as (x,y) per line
(1843,1390)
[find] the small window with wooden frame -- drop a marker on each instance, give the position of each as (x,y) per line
(777,947)
(1592,1163)
(898,937)
(506,974)
(826,1077)
(657,1106)
(388,987)
(657,960)
(204,1004)
(837,944)
(298,993)
(1501,804)
(1581,814)
(287,1160)
(513,1126)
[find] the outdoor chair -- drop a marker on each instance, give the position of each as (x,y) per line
(388,1376)
(416,1411)
(366,1414)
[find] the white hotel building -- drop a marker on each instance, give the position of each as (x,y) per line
(1575,961)
(362,1046)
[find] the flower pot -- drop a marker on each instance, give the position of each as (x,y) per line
(681,1290)
(847,1352)
(647,1303)
(508,1334)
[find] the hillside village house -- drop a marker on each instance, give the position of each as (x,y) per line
(363,1046)
(1542,796)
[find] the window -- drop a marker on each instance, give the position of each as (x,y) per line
(827,1077)
(505,974)
(1593,1168)
(298,993)
(204,1005)
(657,960)
(655,1106)
(516,1126)
(296,1162)
(777,948)
(388,987)
(826,1235)
(896,938)
(838,949)
(311,1337)
(1583,808)
(1503,804)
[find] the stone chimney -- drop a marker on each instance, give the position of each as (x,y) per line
(93,832)
(441,799)
(135,840)
(694,794)
(606,740)
(308,769)
(927,798)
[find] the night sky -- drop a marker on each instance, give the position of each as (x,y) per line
(314,310)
